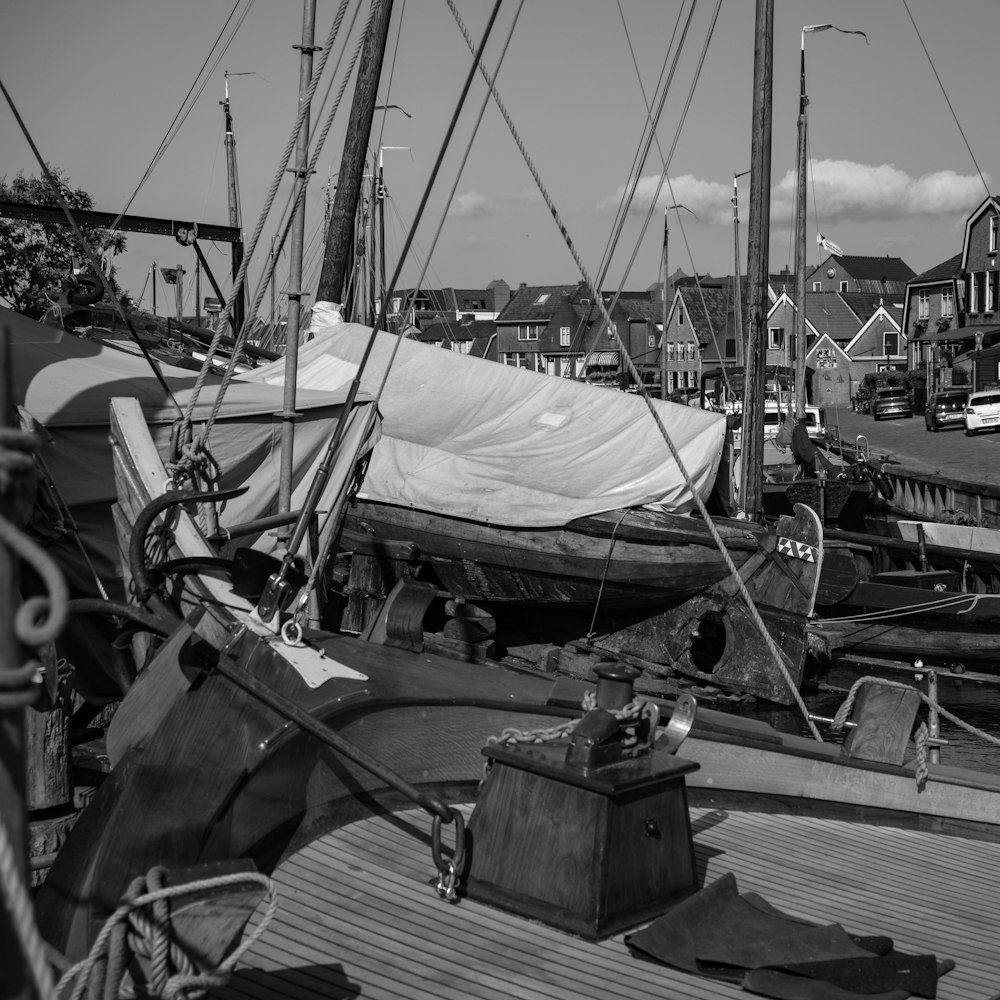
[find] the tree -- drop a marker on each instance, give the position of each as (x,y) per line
(35,257)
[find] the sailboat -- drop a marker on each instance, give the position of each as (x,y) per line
(351,769)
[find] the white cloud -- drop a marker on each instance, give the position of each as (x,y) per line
(839,190)
(471,206)
(709,200)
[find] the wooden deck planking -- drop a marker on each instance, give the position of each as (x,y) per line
(358,914)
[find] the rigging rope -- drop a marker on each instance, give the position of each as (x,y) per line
(304,107)
(598,299)
(95,262)
(327,125)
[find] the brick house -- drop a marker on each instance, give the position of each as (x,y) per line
(874,275)
(557,329)
(931,311)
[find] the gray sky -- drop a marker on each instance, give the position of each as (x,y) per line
(99,84)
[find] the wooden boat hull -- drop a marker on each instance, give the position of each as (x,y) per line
(184,796)
(633,558)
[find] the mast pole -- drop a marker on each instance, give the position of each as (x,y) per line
(737,292)
(306,50)
(663,310)
(234,207)
(751,463)
(336,260)
(799,355)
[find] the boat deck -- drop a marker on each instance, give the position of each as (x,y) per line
(358,915)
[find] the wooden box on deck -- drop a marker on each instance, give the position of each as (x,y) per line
(589,852)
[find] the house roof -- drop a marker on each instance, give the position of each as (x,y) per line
(950,268)
(449,330)
(534,303)
(830,314)
(864,305)
(876,268)
(718,302)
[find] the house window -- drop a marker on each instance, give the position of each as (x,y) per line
(462,346)
(670,350)
(612,330)
(776,338)
(817,286)
(680,316)
(527,333)
(947,303)
(542,299)
(994,226)
(691,350)
(991,290)
(924,305)
(564,336)
(978,291)
(651,340)
(844,286)
(890,343)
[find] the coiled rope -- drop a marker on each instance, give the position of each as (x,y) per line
(141,926)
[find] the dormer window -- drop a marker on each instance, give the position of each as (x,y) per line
(844,286)
(994,232)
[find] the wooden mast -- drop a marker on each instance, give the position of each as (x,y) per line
(340,233)
(293,317)
(759,228)
(799,358)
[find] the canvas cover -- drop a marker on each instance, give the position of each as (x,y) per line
(65,384)
(483,441)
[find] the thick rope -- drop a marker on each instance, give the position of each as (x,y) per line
(921,737)
(130,929)
(19,904)
(300,194)
(599,302)
(304,107)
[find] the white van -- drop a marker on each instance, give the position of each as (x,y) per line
(815,420)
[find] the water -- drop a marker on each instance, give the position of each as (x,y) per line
(974,703)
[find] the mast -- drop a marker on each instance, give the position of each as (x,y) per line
(306,50)
(340,234)
(751,463)
(663,311)
(737,291)
(234,206)
(799,343)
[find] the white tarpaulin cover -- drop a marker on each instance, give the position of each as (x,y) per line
(66,384)
(474,439)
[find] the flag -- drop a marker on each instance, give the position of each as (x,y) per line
(843,31)
(171,274)
(829,246)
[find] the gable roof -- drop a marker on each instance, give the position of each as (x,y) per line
(864,305)
(945,271)
(525,307)
(876,268)
(717,302)
(829,313)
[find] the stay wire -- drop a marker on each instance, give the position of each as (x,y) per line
(680,223)
(675,454)
(461,166)
(187,105)
(958,124)
(304,107)
(85,246)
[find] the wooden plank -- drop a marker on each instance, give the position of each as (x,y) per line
(358,913)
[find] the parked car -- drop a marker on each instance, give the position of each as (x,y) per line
(892,401)
(945,408)
(982,412)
